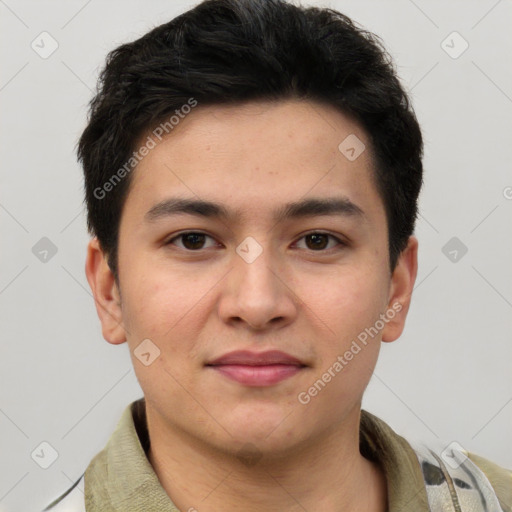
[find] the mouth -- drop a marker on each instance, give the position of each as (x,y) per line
(257,369)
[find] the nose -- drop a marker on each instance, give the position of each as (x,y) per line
(256,293)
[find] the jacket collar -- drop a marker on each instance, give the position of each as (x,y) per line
(121,478)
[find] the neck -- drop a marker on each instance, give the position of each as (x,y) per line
(329,474)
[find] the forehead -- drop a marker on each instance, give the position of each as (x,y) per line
(256,158)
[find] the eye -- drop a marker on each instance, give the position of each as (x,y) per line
(192,240)
(318,241)
(315,241)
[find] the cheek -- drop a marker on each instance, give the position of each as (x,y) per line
(161,302)
(345,302)
(168,313)
(338,386)
(171,311)
(346,311)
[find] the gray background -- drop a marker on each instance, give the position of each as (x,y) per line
(447,379)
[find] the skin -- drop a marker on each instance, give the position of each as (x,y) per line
(309,302)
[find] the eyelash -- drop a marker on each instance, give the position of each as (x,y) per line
(182,234)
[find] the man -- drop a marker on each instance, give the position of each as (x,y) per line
(221,149)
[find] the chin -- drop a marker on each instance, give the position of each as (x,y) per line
(269,432)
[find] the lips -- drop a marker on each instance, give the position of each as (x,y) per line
(257,369)
(245,357)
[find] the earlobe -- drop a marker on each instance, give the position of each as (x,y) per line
(105,292)
(402,284)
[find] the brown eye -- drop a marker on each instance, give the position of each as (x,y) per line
(191,240)
(319,241)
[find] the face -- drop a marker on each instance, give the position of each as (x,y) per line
(297,263)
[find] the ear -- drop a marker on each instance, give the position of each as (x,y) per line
(402,284)
(105,292)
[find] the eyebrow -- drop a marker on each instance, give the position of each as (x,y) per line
(309,207)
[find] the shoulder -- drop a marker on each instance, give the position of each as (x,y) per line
(447,472)
(72,500)
(499,477)
(453,474)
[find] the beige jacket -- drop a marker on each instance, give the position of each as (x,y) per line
(121,479)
